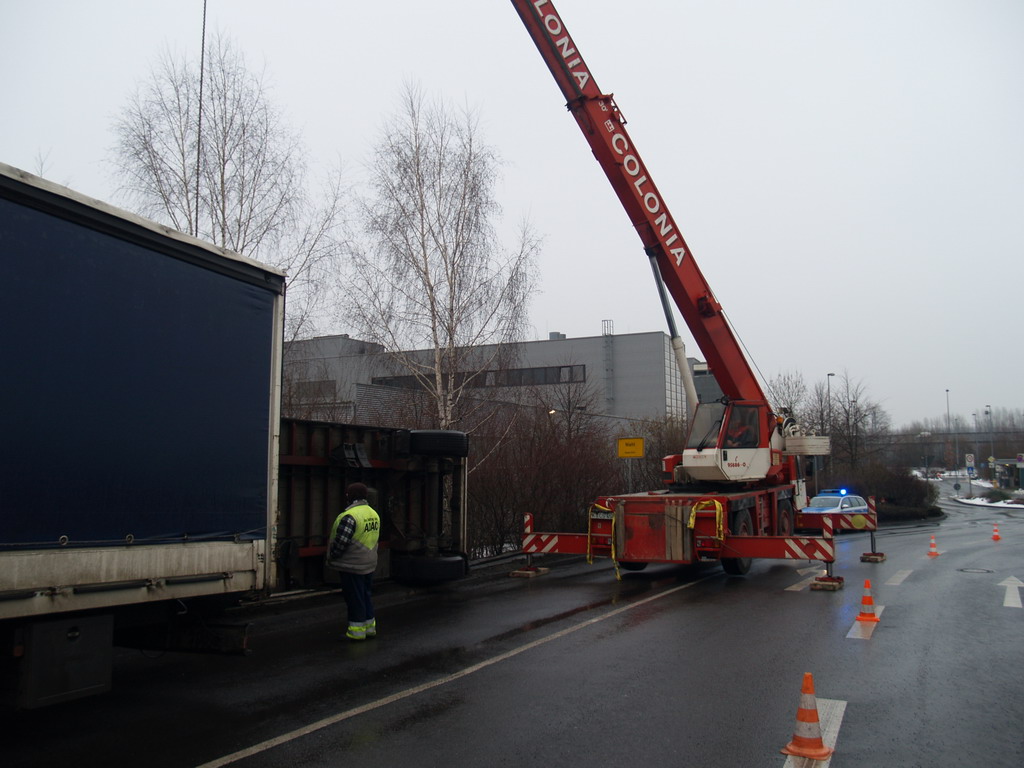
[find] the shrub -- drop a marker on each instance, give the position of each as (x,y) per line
(893,487)
(899,495)
(997,495)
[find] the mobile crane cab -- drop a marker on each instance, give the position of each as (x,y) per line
(730,442)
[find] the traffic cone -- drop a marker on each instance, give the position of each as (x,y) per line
(995,533)
(807,734)
(867,604)
(932,551)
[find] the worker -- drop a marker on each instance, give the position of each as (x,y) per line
(742,432)
(353,553)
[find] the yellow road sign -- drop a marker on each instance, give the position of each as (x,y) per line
(631,447)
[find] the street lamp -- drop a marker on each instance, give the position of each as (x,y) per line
(925,457)
(956,437)
(828,397)
(977,446)
(947,426)
(991,446)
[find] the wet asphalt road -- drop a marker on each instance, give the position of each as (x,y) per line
(669,667)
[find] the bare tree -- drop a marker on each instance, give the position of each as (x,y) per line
(815,415)
(860,425)
(552,458)
(788,394)
(240,183)
(430,273)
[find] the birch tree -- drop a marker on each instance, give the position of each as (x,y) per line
(429,272)
(232,173)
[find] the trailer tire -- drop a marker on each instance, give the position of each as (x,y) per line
(740,525)
(422,570)
(438,442)
(632,566)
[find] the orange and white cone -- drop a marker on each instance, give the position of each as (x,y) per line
(932,550)
(807,734)
(995,533)
(867,604)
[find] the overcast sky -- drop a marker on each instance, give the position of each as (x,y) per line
(849,175)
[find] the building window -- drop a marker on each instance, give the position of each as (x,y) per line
(510,377)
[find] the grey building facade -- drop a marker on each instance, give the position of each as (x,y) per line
(628,376)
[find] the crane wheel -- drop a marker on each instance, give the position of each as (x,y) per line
(741,526)
(785,521)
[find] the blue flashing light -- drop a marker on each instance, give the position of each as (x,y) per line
(842,491)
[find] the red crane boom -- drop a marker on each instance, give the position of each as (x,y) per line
(605,130)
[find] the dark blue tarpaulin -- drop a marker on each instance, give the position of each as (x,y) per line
(135,388)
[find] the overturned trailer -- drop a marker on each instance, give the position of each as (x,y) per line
(417,482)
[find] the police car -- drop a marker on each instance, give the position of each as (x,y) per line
(836,500)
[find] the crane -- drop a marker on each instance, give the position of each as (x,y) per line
(735,490)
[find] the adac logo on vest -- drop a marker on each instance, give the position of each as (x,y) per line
(371,525)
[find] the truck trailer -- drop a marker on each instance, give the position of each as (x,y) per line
(140,414)
(148,481)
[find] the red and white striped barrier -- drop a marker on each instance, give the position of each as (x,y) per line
(537,543)
(810,549)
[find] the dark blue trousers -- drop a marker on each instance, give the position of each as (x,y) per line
(358,591)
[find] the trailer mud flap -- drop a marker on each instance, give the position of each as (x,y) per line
(65,659)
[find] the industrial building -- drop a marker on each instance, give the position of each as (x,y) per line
(633,376)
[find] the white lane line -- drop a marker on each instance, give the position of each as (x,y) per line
(897,578)
(830,716)
(862,630)
(326,722)
(801,585)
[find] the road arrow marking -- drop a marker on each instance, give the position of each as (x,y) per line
(1012,597)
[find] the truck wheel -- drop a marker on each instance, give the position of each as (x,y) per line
(438,442)
(741,526)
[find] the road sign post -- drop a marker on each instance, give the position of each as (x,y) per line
(631,448)
(969,460)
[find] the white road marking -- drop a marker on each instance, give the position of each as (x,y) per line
(830,716)
(897,578)
(1012,597)
(348,714)
(800,585)
(862,630)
